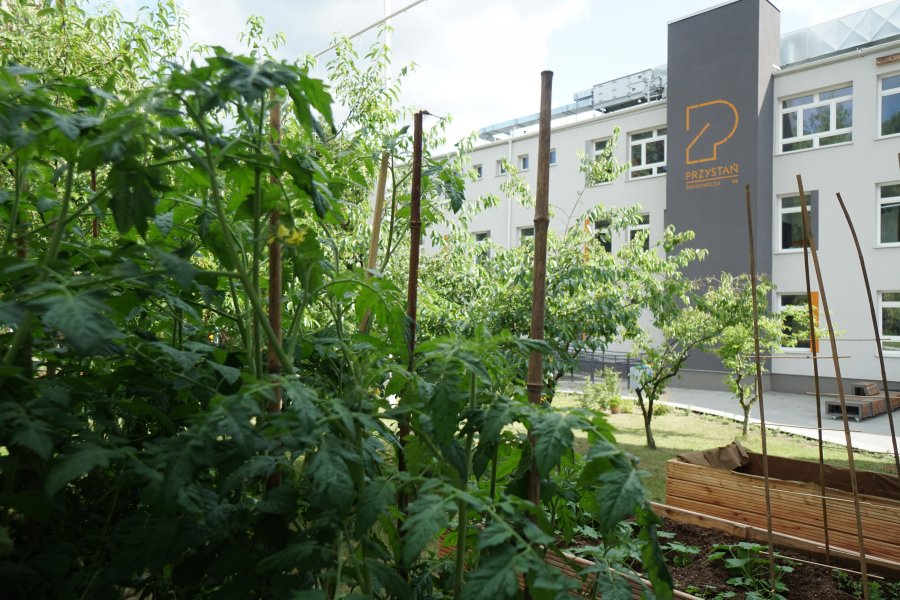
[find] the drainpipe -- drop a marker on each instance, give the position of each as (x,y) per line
(509,202)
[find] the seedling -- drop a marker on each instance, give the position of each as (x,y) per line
(750,566)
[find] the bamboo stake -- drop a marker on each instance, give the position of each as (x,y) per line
(535,384)
(759,389)
(376,230)
(273,364)
(869,297)
(807,235)
(95,224)
(814,349)
(412,291)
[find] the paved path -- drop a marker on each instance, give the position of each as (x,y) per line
(793,413)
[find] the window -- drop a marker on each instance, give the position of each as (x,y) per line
(643,226)
(525,233)
(816,120)
(483,237)
(599,147)
(890,320)
(790,321)
(890,105)
(889,214)
(479,171)
(552,156)
(648,153)
(791,221)
(602,234)
(523,162)
(501,168)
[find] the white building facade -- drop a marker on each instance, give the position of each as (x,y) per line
(737,105)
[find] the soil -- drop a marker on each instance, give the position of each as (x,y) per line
(707,579)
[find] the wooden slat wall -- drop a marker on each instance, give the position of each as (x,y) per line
(796,507)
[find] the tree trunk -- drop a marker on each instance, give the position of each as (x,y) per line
(647,412)
(746,420)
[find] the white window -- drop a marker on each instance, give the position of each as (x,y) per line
(790,219)
(599,147)
(483,238)
(525,233)
(602,234)
(501,167)
(644,226)
(889,303)
(479,171)
(648,153)
(523,162)
(817,119)
(889,214)
(890,105)
(798,299)
(552,156)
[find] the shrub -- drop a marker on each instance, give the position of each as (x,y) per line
(605,394)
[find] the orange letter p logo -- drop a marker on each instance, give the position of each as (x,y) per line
(716,117)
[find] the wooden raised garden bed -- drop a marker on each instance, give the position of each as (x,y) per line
(727,483)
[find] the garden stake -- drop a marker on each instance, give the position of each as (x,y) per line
(95,225)
(376,230)
(759,389)
(865,274)
(535,383)
(813,345)
(273,364)
(412,297)
(807,235)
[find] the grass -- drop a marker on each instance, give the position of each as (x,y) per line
(681,431)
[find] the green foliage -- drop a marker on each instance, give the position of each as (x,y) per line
(878,590)
(605,395)
(748,562)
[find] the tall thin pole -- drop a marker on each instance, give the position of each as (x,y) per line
(814,348)
(807,234)
(869,297)
(376,229)
(95,224)
(273,364)
(535,384)
(759,390)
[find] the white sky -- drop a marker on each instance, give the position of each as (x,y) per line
(480,60)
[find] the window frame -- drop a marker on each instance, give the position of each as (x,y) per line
(779,211)
(779,306)
(599,227)
(881,96)
(880,203)
(523,162)
(483,237)
(656,168)
(644,225)
(520,231)
(479,171)
(882,304)
(553,156)
(815,101)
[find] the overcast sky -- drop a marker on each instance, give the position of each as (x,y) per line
(480,60)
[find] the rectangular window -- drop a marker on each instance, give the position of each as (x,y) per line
(799,299)
(484,238)
(479,171)
(642,228)
(790,219)
(889,303)
(525,233)
(602,234)
(890,105)
(501,167)
(648,153)
(523,162)
(815,120)
(599,147)
(552,156)
(889,214)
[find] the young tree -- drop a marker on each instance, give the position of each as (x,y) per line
(735,347)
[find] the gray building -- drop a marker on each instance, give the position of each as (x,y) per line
(738,104)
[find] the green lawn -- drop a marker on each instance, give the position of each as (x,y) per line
(680,431)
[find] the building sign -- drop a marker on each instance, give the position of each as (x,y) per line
(709,125)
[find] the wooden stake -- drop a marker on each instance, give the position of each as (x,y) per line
(813,345)
(759,388)
(95,224)
(535,382)
(807,235)
(376,229)
(273,365)
(869,297)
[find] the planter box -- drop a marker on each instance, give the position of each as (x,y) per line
(704,483)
